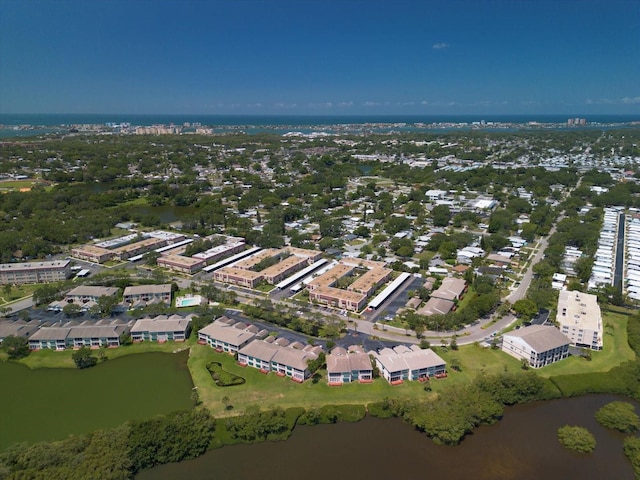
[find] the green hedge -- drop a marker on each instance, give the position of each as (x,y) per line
(333,414)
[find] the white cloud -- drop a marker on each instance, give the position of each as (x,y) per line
(613,101)
(440,46)
(345,104)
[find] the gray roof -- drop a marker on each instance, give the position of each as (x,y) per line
(92,291)
(450,288)
(540,337)
(51,333)
(414,359)
(227,333)
(174,323)
(347,362)
(436,306)
(270,352)
(90,331)
(17,329)
(148,289)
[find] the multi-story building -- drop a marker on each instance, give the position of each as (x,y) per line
(283,360)
(225,335)
(162,329)
(579,317)
(346,366)
(145,294)
(354,297)
(92,253)
(403,363)
(180,263)
(539,345)
(93,336)
(35,272)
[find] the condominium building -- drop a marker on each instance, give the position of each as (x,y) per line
(35,272)
(579,317)
(539,345)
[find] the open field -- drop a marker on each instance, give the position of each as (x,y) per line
(16,292)
(616,350)
(271,390)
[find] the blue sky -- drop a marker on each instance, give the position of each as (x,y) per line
(320,57)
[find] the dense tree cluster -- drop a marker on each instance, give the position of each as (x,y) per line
(449,418)
(115,454)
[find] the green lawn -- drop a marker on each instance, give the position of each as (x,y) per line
(616,350)
(271,390)
(53,359)
(16,292)
(16,184)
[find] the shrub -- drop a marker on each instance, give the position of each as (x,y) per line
(619,416)
(577,438)
(632,451)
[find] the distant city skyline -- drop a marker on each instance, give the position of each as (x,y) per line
(320,57)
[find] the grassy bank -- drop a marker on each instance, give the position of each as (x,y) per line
(54,359)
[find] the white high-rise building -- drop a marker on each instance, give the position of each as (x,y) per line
(580,319)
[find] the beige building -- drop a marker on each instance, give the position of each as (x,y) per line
(180,263)
(579,317)
(35,272)
(91,253)
(354,297)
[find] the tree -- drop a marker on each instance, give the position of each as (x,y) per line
(454,364)
(106,304)
(577,438)
(226,402)
(83,358)
(619,416)
(72,309)
(632,451)
(453,345)
(525,308)
(16,347)
(441,215)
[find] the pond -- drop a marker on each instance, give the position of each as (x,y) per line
(52,403)
(521,446)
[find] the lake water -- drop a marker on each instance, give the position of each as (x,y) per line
(522,446)
(52,403)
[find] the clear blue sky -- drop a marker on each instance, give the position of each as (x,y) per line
(320,56)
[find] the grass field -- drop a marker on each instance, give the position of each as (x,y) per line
(53,359)
(616,350)
(16,292)
(271,390)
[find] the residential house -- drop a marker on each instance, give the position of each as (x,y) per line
(451,289)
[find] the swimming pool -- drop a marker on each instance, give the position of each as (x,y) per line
(192,301)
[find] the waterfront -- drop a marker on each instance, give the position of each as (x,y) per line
(523,445)
(52,403)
